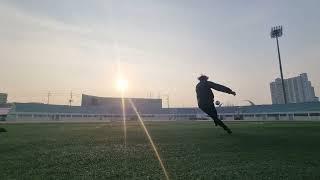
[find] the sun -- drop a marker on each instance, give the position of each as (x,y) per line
(122,85)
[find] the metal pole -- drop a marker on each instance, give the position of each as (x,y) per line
(283,87)
(49,94)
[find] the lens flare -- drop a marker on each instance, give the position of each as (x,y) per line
(150,139)
(124,121)
(122,85)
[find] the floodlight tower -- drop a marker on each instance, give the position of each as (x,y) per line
(276,32)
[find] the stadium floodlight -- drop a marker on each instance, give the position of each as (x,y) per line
(276,32)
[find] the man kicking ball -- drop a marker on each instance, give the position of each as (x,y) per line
(205,99)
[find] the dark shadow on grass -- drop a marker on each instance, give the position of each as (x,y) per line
(3,130)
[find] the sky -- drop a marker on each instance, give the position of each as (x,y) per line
(159,46)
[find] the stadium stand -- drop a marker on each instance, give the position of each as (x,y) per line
(38,111)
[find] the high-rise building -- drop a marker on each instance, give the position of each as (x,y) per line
(3,98)
(298,90)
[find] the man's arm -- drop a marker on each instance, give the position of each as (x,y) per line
(221,88)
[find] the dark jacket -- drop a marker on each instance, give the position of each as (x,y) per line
(204,93)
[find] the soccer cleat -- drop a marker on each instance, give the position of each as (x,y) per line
(228,131)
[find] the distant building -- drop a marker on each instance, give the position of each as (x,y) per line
(114,104)
(298,90)
(3,98)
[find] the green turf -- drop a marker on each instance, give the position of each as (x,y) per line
(190,150)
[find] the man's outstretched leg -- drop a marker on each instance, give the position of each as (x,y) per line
(212,112)
(220,123)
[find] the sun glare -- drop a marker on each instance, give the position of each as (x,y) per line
(122,85)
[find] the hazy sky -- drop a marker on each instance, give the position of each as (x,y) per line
(159,46)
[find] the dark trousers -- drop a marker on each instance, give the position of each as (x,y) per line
(210,109)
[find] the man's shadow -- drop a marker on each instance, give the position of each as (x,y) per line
(2,130)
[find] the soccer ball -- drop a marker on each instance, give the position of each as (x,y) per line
(217,103)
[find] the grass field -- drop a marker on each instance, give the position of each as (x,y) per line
(190,150)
